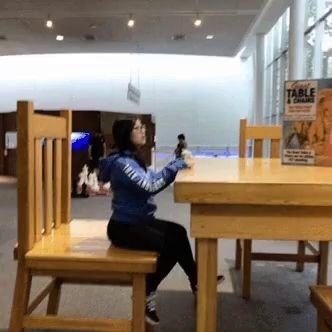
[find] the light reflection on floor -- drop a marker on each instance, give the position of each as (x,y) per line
(7,179)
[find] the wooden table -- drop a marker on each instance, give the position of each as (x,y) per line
(252,199)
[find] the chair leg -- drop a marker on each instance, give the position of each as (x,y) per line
(54,298)
(138,319)
(21,298)
(300,256)
(150,328)
(323,263)
(246,282)
(238,255)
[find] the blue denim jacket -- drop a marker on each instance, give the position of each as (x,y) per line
(133,188)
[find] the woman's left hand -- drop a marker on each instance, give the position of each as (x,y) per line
(190,161)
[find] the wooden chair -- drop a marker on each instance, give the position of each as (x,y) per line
(321,297)
(244,255)
(50,245)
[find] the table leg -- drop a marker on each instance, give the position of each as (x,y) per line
(321,324)
(323,263)
(207,285)
(246,272)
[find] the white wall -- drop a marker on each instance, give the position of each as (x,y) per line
(204,97)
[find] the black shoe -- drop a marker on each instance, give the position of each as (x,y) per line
(220,279)
(151,316)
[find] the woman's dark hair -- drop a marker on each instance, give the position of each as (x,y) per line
(121,132)
(181,136)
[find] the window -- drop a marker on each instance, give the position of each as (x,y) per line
(309,53)
(327,47)
(317,52)
(311,13)
(268,95)
(11,140)
(276,71)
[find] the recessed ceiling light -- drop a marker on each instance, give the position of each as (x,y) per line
(198,21)
(60,38)
(209,37)
(49,24)
(131,22)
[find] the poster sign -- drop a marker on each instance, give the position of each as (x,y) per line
(307,123)
(133,94)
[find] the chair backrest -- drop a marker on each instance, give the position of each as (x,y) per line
(259,134)
(43,173)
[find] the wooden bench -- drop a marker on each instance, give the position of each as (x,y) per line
(244,255)
(321,297)
(50,245)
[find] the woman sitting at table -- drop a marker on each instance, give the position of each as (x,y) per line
(133,224)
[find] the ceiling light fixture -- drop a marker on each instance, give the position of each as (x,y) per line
(209,37)
(198,21)
(60,38)
(131,22)
(49,23)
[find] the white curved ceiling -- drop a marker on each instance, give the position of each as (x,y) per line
(22,24)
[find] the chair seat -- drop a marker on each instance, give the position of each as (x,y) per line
(321,297)
(83,245)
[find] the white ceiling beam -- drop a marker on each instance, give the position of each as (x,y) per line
(32,14)
(268,16)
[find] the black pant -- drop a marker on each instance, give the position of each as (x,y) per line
(169,239)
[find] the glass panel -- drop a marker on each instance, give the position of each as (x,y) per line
(327,66)
(328,5)
(284,31)
(11,140)
(311,12)
(274,120)
(276,87)
(327,47)
(276,42)
(268,93)
(309,53)
(327,37)
(277,29)
(283,73)
(287,20)
(268,48)
(286,66)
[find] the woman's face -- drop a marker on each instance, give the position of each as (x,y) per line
(138,133)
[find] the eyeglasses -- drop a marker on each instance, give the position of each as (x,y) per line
(141,128)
